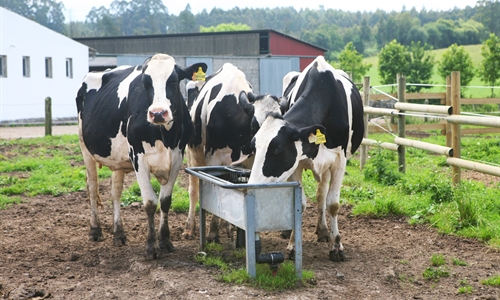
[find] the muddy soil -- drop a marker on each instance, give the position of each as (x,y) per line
(45,253)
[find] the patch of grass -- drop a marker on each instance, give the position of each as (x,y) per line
(40,166)
(382,168)
(6,201)
(492,281)
(466,289)
(282,279)
(458,262)
(435,274)
(438,260)
(180,196)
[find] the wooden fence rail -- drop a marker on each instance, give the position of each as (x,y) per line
(451,125)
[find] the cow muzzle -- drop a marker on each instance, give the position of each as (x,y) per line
(159,117)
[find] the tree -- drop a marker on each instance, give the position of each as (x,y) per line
(489,71)
(419,67)
(392,59)
(186,20)
(455,58)
(48,13)
(225,27)
(489,15)
(352,61)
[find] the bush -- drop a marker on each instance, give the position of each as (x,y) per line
(381,168)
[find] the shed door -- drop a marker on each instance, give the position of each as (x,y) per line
(272,71)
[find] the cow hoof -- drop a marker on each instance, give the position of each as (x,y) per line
(119,240)
(323,235)
(188,235)
(151,253)
(336,255)
(285,234)
(95,234)
(213,239)
(323,239)
(166,247)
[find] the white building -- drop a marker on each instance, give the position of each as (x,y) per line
(35,63)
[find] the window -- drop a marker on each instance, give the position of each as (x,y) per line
(3,65)
(48,67)
(69,67)
(26,66)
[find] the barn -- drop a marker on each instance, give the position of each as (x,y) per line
(35,63)
(264,55)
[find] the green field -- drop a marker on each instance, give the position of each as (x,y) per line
(473,92)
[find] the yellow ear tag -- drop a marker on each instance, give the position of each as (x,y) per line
(318,138)
(199,76)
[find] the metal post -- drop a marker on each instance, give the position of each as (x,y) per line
(298,231)
(250,234)
(203,238)
(366,102)
(401,123)
(455,127)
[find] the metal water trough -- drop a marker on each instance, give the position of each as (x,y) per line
(254,208)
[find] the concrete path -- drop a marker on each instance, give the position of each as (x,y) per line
(10,133)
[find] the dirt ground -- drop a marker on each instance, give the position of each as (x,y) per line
(45,253)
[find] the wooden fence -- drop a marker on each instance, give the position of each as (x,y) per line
(452,119)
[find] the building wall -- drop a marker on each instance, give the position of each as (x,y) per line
(281,45)
(24,97)
(239,44)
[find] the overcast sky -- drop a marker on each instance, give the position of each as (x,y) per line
(77,10)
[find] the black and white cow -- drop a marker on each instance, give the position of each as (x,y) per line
(134,118)
(226,114)
(321,130)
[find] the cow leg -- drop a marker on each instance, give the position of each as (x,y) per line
(119,238)
(95,232)
(193,200)
(213,234)
(164,242)
(150,203)
(196,157)
(333,207)
(321,193)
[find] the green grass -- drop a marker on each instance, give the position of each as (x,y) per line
(41,166)
(425,194)
(438,260)
(435,273)
(472,92)
(283,278)
(458,262)
(492,281)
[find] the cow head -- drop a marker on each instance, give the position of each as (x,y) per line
(258,107)
(279,147)
(161,78)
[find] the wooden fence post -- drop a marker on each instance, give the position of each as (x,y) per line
(366,102)
(48,116)
(455,127)
(401,123)
(448,103)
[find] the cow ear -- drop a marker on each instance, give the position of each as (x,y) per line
(251,97)
(245,104)
(314,134)
(187,72)
(145,63)
(284,103)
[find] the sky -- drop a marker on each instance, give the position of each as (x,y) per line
(77,10)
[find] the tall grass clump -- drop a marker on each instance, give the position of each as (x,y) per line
(381,168)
